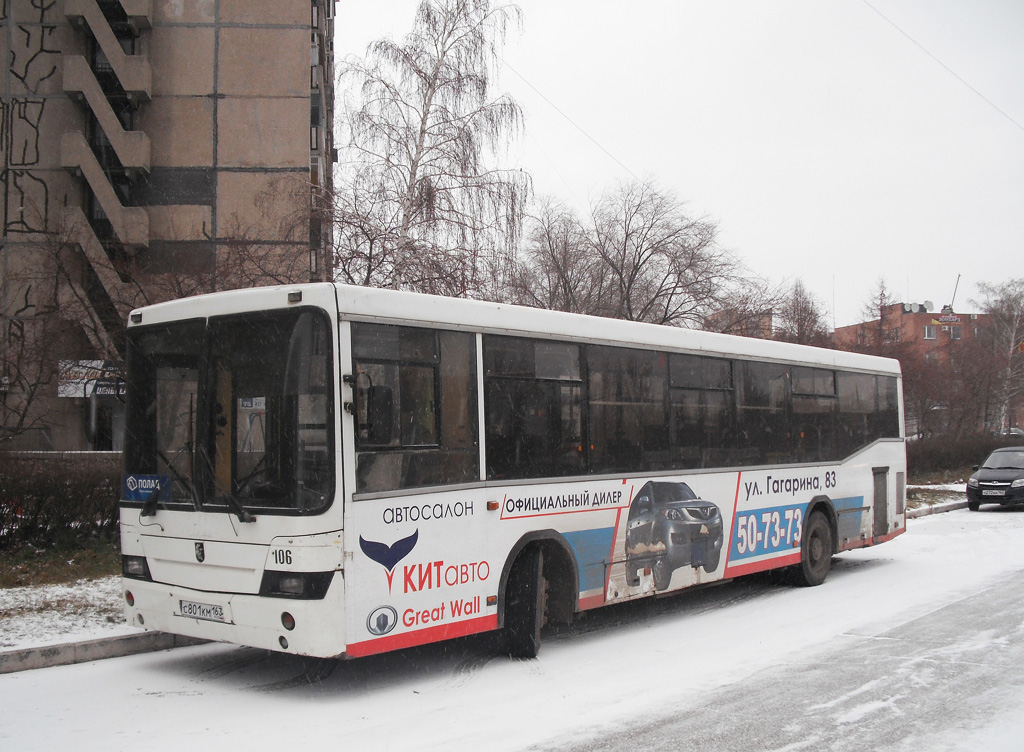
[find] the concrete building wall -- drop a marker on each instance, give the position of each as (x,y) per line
(149,147)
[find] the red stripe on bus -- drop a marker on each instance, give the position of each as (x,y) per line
(611,557)
(760,566)
(883,538)
(422,636)
(732,528)
(591,601)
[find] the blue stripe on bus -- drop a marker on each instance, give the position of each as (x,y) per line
(850,512)
(591,548)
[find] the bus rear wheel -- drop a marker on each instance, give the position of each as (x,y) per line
(815,551)
(525,602)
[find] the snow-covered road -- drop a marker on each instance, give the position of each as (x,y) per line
(733,650)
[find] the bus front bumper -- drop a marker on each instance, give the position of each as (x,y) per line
(302,627)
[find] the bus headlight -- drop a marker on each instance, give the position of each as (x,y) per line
(135,567)
(310,586)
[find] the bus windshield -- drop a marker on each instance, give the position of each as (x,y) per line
(236,412)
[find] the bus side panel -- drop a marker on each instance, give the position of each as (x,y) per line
(428,567)
(421,569)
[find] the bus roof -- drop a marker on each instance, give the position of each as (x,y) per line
(356,303)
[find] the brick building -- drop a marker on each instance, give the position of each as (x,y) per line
(944,393)
(922,331)
(150,149)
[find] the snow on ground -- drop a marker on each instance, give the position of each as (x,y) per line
(614,668)
(54,614)
(620,665)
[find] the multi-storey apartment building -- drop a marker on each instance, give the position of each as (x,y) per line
(150,148)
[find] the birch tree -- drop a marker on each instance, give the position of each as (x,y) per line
(1004,304)
(420,205)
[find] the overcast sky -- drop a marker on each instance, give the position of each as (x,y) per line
(825,142)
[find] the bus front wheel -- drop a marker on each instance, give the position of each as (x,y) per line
(525,602)
(815,551)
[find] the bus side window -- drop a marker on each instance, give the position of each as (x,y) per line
(416,407)
(533,401)
(628,410)
(761,421)
(701,398)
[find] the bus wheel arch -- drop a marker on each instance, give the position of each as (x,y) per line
(823,505)
(818,542)
(538,586)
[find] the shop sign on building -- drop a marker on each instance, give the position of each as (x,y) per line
(84,378)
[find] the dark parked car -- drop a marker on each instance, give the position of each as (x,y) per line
(999,481)
(669,527)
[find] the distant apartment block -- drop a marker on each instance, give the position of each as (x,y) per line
(150,149)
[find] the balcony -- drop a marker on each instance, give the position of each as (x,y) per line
(137,13)
(131,147)
(93,296)
(133,72)
(130,223)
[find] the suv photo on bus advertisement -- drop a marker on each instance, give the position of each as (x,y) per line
(1000,480)
(669,527)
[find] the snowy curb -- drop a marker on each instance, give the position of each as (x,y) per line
(948,506)
(90,650)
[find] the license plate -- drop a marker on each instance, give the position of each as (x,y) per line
(205,611)
(991,492)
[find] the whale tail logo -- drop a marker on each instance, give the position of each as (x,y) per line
(389,556)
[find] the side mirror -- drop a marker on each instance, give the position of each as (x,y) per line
(974,468)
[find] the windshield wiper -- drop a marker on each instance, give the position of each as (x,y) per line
(244,515)
(232,503)
(152,502)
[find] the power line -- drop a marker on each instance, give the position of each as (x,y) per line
(949,70)
(569,119)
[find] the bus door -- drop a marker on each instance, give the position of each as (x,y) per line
(881,501)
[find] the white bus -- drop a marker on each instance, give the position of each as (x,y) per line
(341,471)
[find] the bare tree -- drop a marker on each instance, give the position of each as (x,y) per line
(366,222)
(418,205)
(46,292)
(662,266)
(34,337)
(799,318)
(638,256)
(273,244)
(1004,303)
(557,268)
(744,306)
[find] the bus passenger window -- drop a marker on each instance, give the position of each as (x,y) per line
(533,405)
(628,410)
(761,422)
(701,411)
(416,407)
